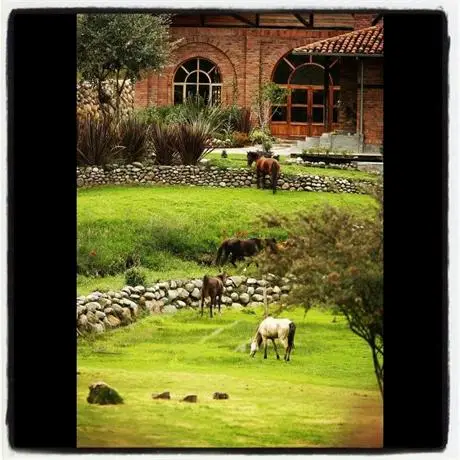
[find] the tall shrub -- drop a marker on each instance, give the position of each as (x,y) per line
(162,142)
(98,142)
(134,137)
(192,140)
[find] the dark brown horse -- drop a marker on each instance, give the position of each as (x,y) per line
(265,166)
(213,287)
(239,249)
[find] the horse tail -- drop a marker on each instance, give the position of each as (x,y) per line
(275,173)
(222,248)
(291,334)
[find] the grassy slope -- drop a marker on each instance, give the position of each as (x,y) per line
(324,397)
(239,161)
(171,227)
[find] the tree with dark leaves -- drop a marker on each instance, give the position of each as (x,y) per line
(121,46)
(336,258)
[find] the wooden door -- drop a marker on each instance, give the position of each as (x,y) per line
(306,111)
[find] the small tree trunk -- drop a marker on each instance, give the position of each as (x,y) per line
(378,370)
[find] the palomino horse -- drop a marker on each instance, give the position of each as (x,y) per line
(239,249)
(265,166)
(271,328)
(213,287)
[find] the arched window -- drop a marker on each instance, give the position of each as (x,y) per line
(303,75)
(197,76)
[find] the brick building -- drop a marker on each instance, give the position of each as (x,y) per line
(320,57)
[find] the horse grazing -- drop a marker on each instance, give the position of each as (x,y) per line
(213,287)
(265,166)
(274,328)
(239,249)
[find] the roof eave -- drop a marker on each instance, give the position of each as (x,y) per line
(317,53)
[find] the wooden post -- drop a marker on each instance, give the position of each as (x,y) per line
(327,126)
(265,301)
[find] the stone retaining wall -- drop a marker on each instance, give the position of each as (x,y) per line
(88,101)
(100,311)
(138,173)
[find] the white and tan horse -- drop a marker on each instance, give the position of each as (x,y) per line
(271,328)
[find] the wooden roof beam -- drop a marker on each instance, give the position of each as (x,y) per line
(243,19)
(301,19)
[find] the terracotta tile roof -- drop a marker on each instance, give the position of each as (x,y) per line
(367,41)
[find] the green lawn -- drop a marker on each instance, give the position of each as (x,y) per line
(326,396)
(171,229)
(235,160)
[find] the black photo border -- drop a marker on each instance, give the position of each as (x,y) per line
(41,366)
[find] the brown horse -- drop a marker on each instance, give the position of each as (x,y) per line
(213,287)
(239,249)
(265,166)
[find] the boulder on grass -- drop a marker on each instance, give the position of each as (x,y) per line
(164,395)
(101,393)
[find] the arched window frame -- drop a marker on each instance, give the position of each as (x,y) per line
(192,78)
(334,90)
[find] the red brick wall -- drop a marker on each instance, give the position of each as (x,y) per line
(363,20)
(244,57)
(372,101)
(348,88)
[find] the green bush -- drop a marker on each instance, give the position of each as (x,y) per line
(259,136)
(135,276)
(166,114)
(240,139)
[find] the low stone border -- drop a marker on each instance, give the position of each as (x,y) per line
(137,173)
(100,311)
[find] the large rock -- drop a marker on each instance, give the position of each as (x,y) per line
(100,315)
(93,306)
(189,287)
(154,306)
(172,295)
(237,280)
(258,297)
(169,309)
(101,393)
(98,328)
(126,317)
(92,318)
(182,293)
(244,298)
(111,321)
(226,300)
(196,294)
(198,283)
